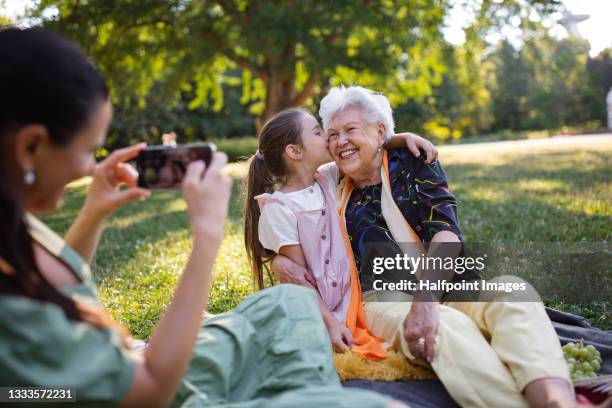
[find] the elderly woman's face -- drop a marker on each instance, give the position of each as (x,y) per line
(353,142)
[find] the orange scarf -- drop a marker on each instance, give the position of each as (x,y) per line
(366,344)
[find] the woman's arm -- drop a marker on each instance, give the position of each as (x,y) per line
(164,362)
(424,316)
(436,204)
(103,198)
(341,340)
(437,209)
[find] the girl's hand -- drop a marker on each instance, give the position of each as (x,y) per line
(340,336)
(415,142)
(104,195)
(207,193)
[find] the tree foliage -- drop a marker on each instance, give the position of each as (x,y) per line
(544,84)
(286,50)
(215,68)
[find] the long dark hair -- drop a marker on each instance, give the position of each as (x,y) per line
(47,80)
(265,169)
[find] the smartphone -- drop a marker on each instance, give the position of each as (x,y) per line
(163,167)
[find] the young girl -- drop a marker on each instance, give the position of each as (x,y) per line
(299,220)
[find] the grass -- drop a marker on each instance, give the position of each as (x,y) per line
(543,193)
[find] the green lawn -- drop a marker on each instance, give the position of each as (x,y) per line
(554,192)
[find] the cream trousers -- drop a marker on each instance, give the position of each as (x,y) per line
(485,352)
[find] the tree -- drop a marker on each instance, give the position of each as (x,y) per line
(286,50)
(600,82)
(509,87)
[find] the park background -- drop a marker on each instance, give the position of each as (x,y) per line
(464,73)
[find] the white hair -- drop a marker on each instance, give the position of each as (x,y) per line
(374,105)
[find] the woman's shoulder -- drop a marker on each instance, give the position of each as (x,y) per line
(402,153)
(404,159)
(56,246)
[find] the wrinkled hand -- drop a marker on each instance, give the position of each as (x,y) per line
(415,142)
(105,196)
(420,328)
(340,336)
(206,192)
(287,271)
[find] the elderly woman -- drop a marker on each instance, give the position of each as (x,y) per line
(487,354)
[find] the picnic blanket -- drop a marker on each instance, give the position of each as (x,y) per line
(432,394)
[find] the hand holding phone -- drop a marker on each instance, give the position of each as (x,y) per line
(206,190)
(164,167)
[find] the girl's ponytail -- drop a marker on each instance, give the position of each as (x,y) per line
(259,181)
(265,167)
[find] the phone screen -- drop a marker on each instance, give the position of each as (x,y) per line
(163,167)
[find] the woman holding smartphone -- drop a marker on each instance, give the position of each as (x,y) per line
(54,114)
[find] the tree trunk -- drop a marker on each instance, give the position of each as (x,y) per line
(281,94)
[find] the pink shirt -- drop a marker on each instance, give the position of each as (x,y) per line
(323,246)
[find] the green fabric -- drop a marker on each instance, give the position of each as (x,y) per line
(39,346)
(271,351)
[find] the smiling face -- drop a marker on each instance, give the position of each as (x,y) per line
(354,143)
(314,142)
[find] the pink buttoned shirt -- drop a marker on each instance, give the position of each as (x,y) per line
(308,218)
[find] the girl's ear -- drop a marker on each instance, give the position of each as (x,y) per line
(294,151)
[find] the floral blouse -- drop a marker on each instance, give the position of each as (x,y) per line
(420,191)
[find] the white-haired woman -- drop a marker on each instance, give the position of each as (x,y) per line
(502,354)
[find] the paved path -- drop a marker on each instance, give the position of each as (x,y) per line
(596,141)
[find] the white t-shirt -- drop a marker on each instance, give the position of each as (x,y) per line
(278,223)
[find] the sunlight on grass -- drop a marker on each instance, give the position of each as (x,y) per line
(541,185)
(541,194)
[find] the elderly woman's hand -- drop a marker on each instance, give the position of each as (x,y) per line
(420,328)
(415,143)
(287,271)
(104,195)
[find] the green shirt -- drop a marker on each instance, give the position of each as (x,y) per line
(40,346)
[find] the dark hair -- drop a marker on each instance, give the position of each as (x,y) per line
(47,80)
(283,129)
